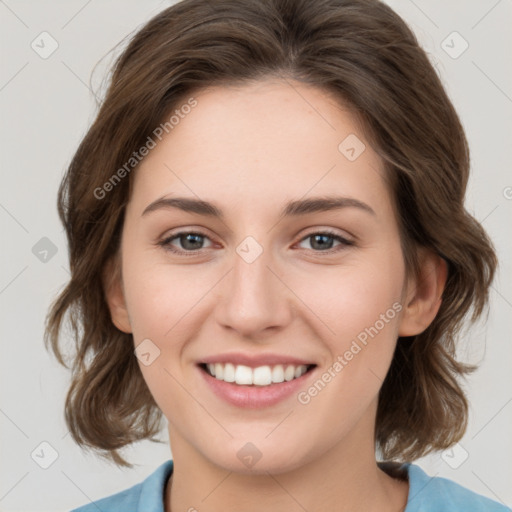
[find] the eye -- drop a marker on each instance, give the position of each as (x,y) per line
(323,241)
(190,241)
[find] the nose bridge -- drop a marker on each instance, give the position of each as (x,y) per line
(253,298)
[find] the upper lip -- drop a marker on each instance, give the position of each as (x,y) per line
(254,361)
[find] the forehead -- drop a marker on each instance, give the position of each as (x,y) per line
(259,144)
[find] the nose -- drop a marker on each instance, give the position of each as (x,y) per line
(255,300)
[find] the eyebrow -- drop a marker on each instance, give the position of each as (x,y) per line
(291,209)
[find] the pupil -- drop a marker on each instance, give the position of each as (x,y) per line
(322,245)
(190,239)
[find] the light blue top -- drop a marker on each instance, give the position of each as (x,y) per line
(426,494)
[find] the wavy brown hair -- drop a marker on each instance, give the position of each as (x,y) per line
(362,52)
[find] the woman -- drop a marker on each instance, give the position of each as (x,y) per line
(269,247)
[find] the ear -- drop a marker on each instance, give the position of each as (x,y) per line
(423,296)
(114,294)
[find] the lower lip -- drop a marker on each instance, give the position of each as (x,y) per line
(254,397)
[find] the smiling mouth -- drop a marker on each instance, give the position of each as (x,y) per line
(265,375)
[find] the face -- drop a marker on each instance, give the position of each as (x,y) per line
(320,289)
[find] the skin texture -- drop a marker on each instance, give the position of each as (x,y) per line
(249,150)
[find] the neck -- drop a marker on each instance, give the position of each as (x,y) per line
(344,478)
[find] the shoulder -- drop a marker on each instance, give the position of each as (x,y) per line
(144,496)
(126,500)
(429,494)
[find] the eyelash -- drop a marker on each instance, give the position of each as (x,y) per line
(166,242)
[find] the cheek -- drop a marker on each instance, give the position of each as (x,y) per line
(159,296)
(349,299)
(359,311)
(364,315)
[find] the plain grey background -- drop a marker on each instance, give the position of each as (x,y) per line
(46,106)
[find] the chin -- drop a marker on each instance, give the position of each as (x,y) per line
(257,458)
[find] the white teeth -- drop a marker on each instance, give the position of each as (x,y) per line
(262,376)
(243,375)
(289,373)
(229,372)
(278,373)
(259,376)
(219,370)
